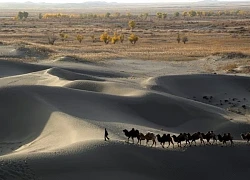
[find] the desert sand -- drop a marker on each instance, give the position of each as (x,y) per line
(53,115)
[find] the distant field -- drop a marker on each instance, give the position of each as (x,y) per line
(206,35)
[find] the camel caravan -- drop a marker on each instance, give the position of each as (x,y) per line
(209,138)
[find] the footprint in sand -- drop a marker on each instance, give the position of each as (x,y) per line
(16,170)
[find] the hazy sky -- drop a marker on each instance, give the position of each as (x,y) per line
(119,1)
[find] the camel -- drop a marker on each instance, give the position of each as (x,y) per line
(197,136)
(165,138)
(141,137)
(180,138)
(150,136)
(206,136)
(246,136)
(132,134)
(213,136)
(225,138)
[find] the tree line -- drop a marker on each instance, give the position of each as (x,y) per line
(158,15)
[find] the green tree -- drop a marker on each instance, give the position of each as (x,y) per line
(131,24)
(192,13)
(184,39)
(40,16)
(25,14)
(176,14)
(159,15)
(107,15)
(20,15)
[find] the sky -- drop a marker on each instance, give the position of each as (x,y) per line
(119,1)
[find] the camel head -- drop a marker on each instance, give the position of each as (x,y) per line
(125,130)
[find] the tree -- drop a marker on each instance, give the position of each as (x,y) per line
(129,15)
(159,15)
(115,38)
(220,13)
(184,14)
(164,15)
(121,37)
(25,14)
(178,38)
(184,39)
(93,38)
(79,38)
(40,16)
(133,38)
(52,38)
(146,16)
(20,15)
(105,38)
(131,24)
(117,15)
(199,13)
(63,36)
(107,15)
(176,14)
(192,13)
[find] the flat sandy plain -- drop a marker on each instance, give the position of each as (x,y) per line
(54,107)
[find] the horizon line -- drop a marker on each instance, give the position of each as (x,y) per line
(26,2)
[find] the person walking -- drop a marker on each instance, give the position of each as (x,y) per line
(106,135)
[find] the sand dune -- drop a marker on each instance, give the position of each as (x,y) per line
(53,117)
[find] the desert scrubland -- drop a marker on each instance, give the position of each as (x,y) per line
(68,71)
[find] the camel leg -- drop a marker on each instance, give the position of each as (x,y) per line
(163,144)
(208,141)
(202,141)
(168,144)
(154,142)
